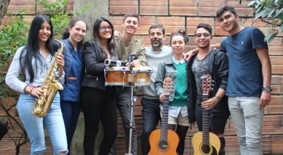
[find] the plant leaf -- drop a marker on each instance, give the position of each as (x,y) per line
(271,36)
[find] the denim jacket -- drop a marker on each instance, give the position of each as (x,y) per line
(166,69)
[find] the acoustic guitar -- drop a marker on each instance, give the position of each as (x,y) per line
(205,142)
(163,141)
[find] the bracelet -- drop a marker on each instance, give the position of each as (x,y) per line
(30,90)
(218,98)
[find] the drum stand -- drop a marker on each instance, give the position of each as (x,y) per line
(133,99)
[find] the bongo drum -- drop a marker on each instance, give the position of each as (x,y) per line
(116,76)
(140,76)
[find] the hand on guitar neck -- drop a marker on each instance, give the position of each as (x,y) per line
(163,141)
(205,142)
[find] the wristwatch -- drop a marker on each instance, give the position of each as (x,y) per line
(266,88)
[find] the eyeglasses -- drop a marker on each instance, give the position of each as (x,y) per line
(103,28)
(202,34)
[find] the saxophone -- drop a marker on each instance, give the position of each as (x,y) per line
(43,103)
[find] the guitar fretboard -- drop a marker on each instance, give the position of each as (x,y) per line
(205,123)
(164,119)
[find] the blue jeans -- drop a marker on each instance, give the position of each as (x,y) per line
(247,117)
(53,122)
(150,117)
(70,112)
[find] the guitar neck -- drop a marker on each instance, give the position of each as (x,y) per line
(164,119)
(205,123)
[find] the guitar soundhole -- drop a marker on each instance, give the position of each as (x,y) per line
(163,145)
(205,148)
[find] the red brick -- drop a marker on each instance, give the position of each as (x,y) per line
(276,80)
(192,23)
(159,7)
(275,107)
(276,146)
(277,69)
(146,22)
(232,146)
(275,47)
(242,9)
(117,22)
(123,6)
(277,87)
(266,144)
(276,60)
(209,7)
(272,125)
(15,5)
(170,23)
(183,7)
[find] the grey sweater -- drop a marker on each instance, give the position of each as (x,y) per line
(154,58)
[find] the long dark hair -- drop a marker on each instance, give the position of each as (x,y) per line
(111,42)
(32,48)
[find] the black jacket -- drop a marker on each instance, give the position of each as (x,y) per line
(93,57)
(219,75)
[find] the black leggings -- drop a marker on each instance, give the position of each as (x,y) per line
(181,132)
(99,105)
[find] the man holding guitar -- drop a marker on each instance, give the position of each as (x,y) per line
(212,62)
(155,54)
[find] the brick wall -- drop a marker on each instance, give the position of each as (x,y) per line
(185,14)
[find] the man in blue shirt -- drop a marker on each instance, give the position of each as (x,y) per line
(249,79)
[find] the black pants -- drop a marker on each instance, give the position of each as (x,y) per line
(150,117)
(99,105)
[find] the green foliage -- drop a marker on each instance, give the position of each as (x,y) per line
(83,10)
(59,21)
(271,12)
(13,34)
(57,7)
(58,15)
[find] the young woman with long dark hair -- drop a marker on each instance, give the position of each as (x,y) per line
(97,99)
(33,61)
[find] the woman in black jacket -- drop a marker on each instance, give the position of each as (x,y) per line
(96,98)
